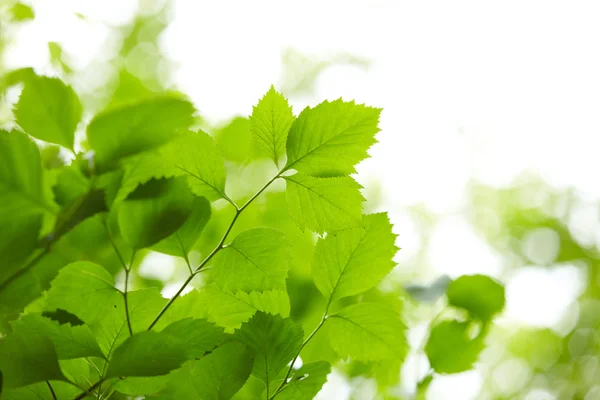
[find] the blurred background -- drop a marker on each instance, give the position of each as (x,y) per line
(486,161)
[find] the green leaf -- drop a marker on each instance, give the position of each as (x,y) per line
(481,295)
(49,110)
(154,211)
(274,340)
(257,259)
(331,138)
(84,289)
(354,260)
(199,158)
(182,240)
(217,376)
(230,310)
(69,341)
(324,204)
(147,354)
(21,12)
(367,332)
(111,330)
(22,198)
(199,335)
(450,349)
(430,293)
(130,129)
(27,359)
(41,391)
(306,382)
(270,123)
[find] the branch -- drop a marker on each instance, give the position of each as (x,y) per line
(51,390)
(89,390)
(281,387)
(122,260)
(219,246)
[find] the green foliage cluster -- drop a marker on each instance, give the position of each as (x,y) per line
(147,181)
(279,274)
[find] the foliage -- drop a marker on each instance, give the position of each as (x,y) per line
(278,265)
(154,177)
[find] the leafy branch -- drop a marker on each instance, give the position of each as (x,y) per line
(220,245)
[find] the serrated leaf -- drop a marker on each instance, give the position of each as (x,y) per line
(198,157)
(480,295)
(84,289)
(154,211)
(274,340)
(22,198)
(48,110)
(450,349)
(230,310)
(199,335)
(27,359)
(270,123)
(69,341)
(183,239)
(217,376)
(354,260)
(367,332)
(111,330)
(256,260)
(306,382)
(324,204)
(329,139)
(132,128)
(147,354)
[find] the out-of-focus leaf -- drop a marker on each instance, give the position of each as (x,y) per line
(183,239)
(450,349)
(49,110)
(21,12)
(154,211)
(481,295)
(430,293)
(69,341)
(27,359)
(147,354)
(132,128)
(22,197)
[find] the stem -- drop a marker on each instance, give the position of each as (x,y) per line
(51,390)
(219,246)
(61,222)
(281,387)
(166,307)
(127,270)
(89,390)
(25,269)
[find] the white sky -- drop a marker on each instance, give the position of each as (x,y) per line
(483,89)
